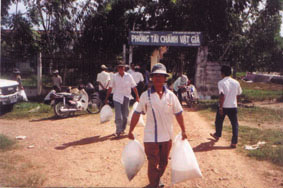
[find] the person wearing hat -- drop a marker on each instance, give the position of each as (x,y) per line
(179,85)
(121,84)
(17,77)
(103,79)
(138,77)
(57,79)
(160,105)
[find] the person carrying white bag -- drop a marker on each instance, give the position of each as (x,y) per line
(141,121)
(184,165)
(160,105)
(106,113)
(133,158)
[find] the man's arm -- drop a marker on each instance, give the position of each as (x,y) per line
(137,94)
(221,101)
(107,95)
(134,121)
(60,79)
(101,85)
(180,120)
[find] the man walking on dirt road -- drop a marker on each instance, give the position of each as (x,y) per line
(160,105)
(229,90)
(122,83)
(103,79)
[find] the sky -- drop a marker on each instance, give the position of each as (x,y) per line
(22,9)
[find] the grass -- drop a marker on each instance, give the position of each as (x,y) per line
(260,115)
(29,110)
(271,151)
(6,143)
(261,91)
(19,172)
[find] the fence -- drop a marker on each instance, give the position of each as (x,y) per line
(74,71)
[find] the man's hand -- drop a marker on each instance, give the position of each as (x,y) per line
(184,135)
(221,111)
(131,136)
(137,99)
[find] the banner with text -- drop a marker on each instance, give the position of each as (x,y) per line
(165,38)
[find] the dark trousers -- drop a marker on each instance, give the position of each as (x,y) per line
(180,95)
(232,114)
(102,94)
(157,156)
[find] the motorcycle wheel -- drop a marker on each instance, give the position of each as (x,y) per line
(189,102)
(57,110)
(94,106)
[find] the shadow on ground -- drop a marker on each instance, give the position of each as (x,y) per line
(208,146)
(84,141)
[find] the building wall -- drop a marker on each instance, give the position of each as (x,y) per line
(207,75)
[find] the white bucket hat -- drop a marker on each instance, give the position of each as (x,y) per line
(159,68)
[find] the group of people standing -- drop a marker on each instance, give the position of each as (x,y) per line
(160,105)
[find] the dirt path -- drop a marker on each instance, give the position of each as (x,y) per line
(80,152)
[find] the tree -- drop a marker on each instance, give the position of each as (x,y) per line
(20,41)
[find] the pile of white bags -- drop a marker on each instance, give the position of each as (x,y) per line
(106,113)
(133,158)
(141,121)
(184,164)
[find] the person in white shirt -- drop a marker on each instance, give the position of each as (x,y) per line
(103,79)
(121,84)
(180,85)
(131,69)
(229,90)
(160,105)
(57,79)
(138,77)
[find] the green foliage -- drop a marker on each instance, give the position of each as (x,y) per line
(237,32)
(21,42)
(259,47)
(31,81)
(6,142)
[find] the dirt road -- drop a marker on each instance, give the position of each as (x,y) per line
(81,152)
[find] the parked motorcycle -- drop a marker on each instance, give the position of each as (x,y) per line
(189,95)
(67,103)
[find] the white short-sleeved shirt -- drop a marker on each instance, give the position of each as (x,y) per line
(121,86)
(57,80)
(230,88)
(137,76)
(165,110)
(130,71)
(181,81)
(103,78)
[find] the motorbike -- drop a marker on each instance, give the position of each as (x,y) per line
(189,95)
(67,103)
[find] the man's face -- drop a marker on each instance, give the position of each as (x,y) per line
(158,79)
(121,69)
